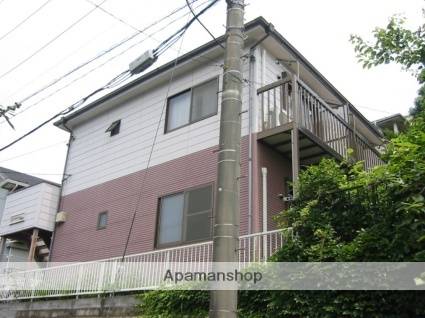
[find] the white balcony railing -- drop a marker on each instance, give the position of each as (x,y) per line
(135,272)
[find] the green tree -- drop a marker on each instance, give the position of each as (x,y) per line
(396,44)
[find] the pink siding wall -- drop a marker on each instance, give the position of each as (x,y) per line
(78,239)
(278,168)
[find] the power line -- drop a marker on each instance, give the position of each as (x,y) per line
(35,150)
(112,83)
(119,79)
(179,33)
(206,29)
(4,111)
(102,53)
(114,16)
(49,42)
(375,109)
(24,20)
(78,49)
(102,64)
(151,153)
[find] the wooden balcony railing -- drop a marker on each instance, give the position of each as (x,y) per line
(277,102)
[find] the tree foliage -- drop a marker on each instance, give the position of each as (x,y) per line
(396,44)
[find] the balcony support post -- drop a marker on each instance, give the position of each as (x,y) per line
(31,253)
(295,134)
(2,247)
(352,135)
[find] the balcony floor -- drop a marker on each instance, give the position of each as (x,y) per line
(312,148)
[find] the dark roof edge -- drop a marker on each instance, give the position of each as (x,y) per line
(388,118)
(260,21)
(24,177)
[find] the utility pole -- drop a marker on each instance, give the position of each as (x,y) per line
(223,303)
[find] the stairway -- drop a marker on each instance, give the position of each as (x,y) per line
(42,250)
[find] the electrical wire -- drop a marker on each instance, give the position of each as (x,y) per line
(24,20)
(117,80)
(48,43)
(112,83)
(114,16)
(151,153)
(37,77)
(178,34)
(101,65)
(107,61)
(101,54)
(34,151)
(375,109)
(206,29)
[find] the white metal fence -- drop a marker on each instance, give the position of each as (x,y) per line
(135,272)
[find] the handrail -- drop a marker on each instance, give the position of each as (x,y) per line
(272,85)
(137,272)
(330,109)
(277,107)
(337,116)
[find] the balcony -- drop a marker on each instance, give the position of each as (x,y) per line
(322,132)
(33,207)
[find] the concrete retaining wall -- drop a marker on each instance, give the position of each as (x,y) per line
(117,306)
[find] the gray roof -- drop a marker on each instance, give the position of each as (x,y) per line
(392,118)
(260,21)
(22,177)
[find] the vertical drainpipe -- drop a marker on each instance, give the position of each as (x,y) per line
(265,215)
(71,138)
(250,121)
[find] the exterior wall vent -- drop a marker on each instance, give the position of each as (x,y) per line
(12,185)
(17,218)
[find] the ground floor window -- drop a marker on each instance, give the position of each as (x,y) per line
(185,216)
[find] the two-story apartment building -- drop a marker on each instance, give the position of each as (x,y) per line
(150,147)
(28,207)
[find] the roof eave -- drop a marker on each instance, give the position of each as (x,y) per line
(260,21)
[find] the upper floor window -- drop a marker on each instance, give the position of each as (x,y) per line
(185,216)
(192,105)
(102,220)
(114,128)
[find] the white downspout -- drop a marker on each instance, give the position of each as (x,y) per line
(264,175)
(250,121)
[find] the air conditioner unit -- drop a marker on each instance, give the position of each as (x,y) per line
(61,217)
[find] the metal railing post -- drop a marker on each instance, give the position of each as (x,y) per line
(101,277)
